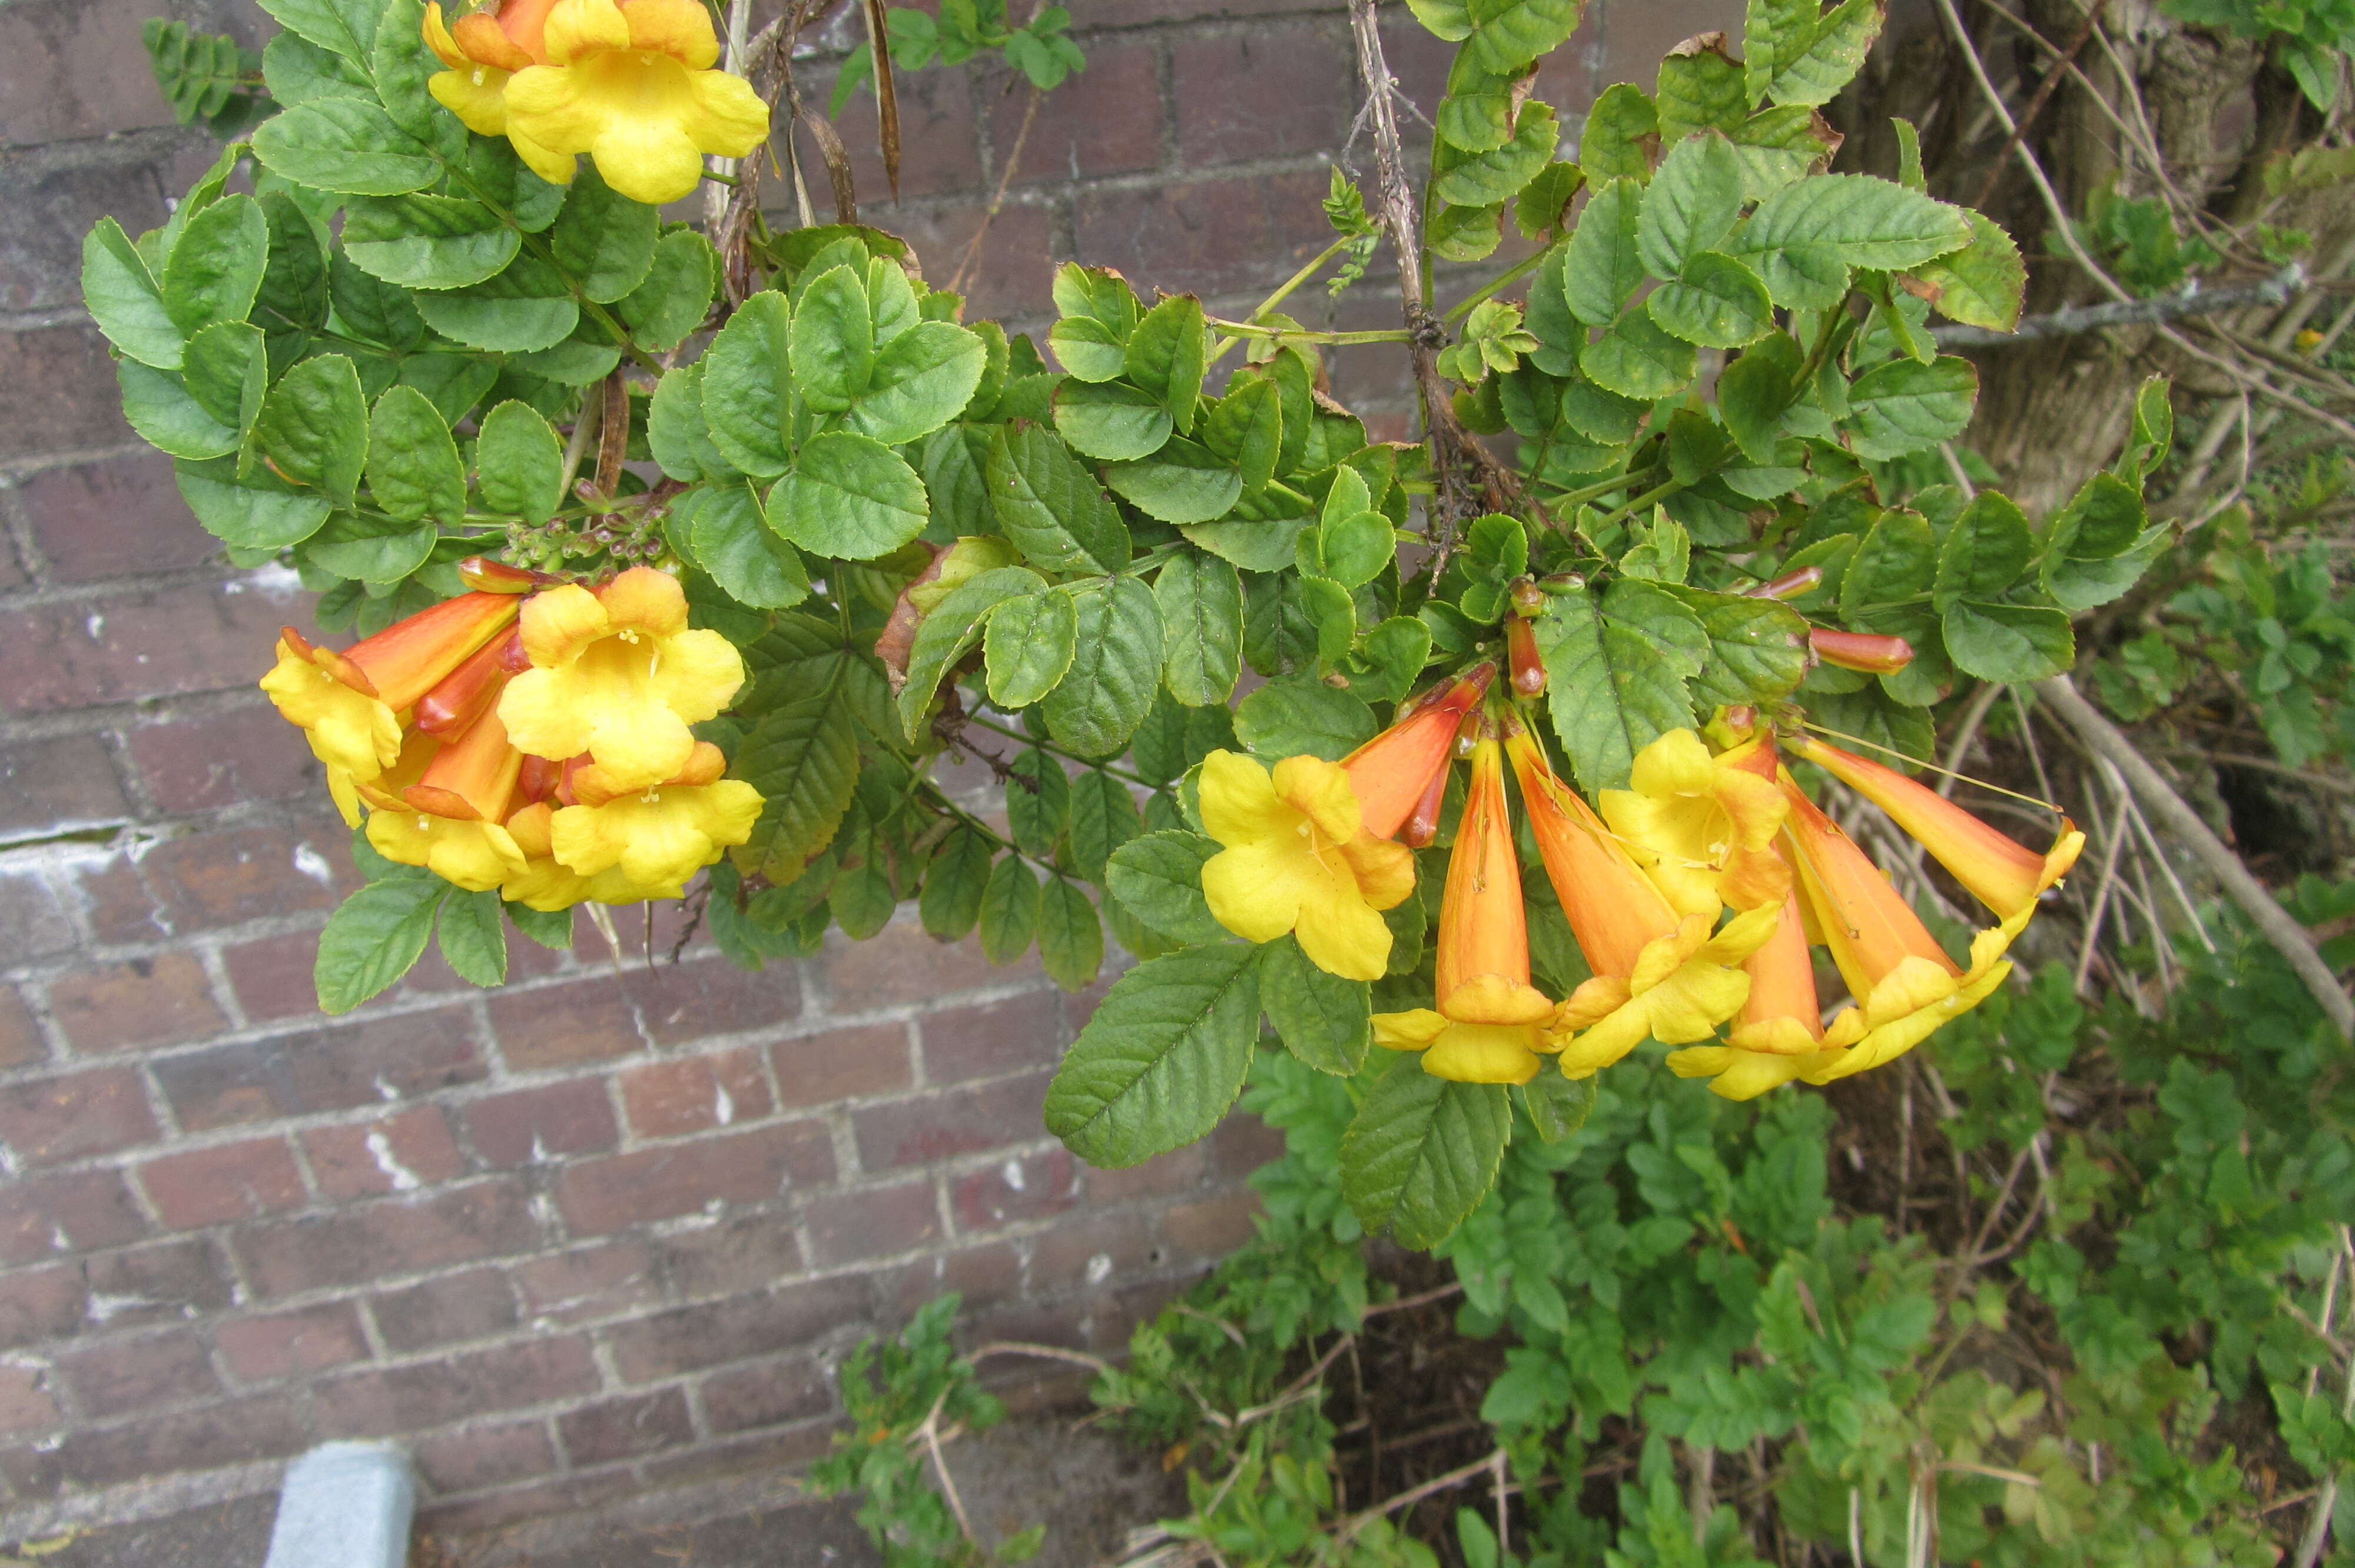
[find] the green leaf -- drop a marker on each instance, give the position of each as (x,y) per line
(1621,138)
(227,370)
(1617,666)
(1325,1021)
(803,759)
(1635,359)
(1028,646)
(919,381)
(1354,549)
(1049,505)
(1809,58)
(1111,420)
(1512,32)
(521,462)
(676,432)
(247,518)
(294,279)
(1159,879)
(671,301)
(745,385)
(1300,715)
(314,427)
(1558,1107)
(1717,304)
(948,631)
(369,549)
(1603,263)
(1895,562)
(474,937)
(1422,1152)
(1245,429)
(1201,600)
(1039,803)
(373,937)
(954,884)
(125,298)
(1544,202)
(2008,642)
(848,496)
(161,408)
(1804,238)
(1163,1057)
(552,928)
(1009,911)
(604,241)
(1907,406)
(2105,517)
(427,241)
(833,338)
(346,28)
(860,900)
(216,268)
(1757,650)
(1449,19)
(1699,89)
(2078,584)
(1109,688)
(401,64)
(344,144)
(1165,355)
(1690,205)
(412,463)
(1182,482)
(1070,937)
(297,70)
(523,310)
(1985,551)
(1103,818)
(732,541)
(1776,146)
(1983,283)
(1489,178)
(1751,394)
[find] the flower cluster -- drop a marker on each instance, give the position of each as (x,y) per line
(1695,895)
(629,83)
(531,737)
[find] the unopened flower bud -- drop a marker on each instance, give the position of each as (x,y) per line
(1529,599)
(1790,585)
(494,577)
(1521,655)
(1562,583)
(1860,651)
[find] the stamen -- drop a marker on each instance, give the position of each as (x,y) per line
(420,823)
(478,76)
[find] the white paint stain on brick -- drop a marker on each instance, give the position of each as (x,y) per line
(1012,1171)
(723,1104)
(93,626)
(380,1149)
(313,865)
(1100,1268)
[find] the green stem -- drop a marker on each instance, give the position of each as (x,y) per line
(1295,335)
(1590,492)
(1052,749)
(972,824)
(1657,493)
(1504,279)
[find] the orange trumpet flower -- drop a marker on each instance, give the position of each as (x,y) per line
(1391,773)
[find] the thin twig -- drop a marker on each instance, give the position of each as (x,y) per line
(1051,1352)
(1412,1495)
(2072,320)
(1454,1288)
(972,257)
(931,1432)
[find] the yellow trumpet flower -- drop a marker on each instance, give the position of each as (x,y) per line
(1297,859)
(1702,826)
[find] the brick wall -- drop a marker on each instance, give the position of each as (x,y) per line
(599,1229)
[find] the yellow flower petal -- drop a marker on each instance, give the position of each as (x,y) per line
(644,601)
(678,29)
(1484,1053)
(539,720)
(1737,1075)
(1339,931)
(1254,889)
(1409,1030)
(579,28)
(476,94)
(698,674)
(1319,791)
(1239,801)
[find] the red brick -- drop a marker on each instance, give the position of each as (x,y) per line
(961,1121)
(1135,12)
(598,1016)
(992,1038)
(695,999)
(287,1344)
(680,1179)
(272,976)
(122,1377)
(48,211)
(900,964)
(1020,1187)
(1016,274)
(120,517)
(216,1186)
(38,1304)
(41,1216)
(1268,94)
(1180,1171)
(1031,1322)
(763,1394)
(686,1339)
(585,1019)
(485,1455)
(1105,121)
(588,1283)
(431,1394)
(55,786)
(842,1063)
(1242,1144)
(78,1114)
(56,393)
(500,1510)
(623,1428)
(401,1153)
(527,1126)
(392,1236)
(846,1226)
(115,901)
(1210,1229)
(1205,236)
(201,637)
(451,1309)
(139,1001)
(939,154)
(203,763)
(165,1282)
(747,1252)
(988,1273)
(1087,1250)
(61,76)
(786,1449)
(26,1406)
(339,1068)
(269,1427)
(33,924)
(227,879)
(693,1094)
(20,1035)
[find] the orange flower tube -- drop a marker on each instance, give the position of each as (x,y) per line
(1391,773)
(409,658)
(469,688)
(473,778)
(1869,929)
(1613,907)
